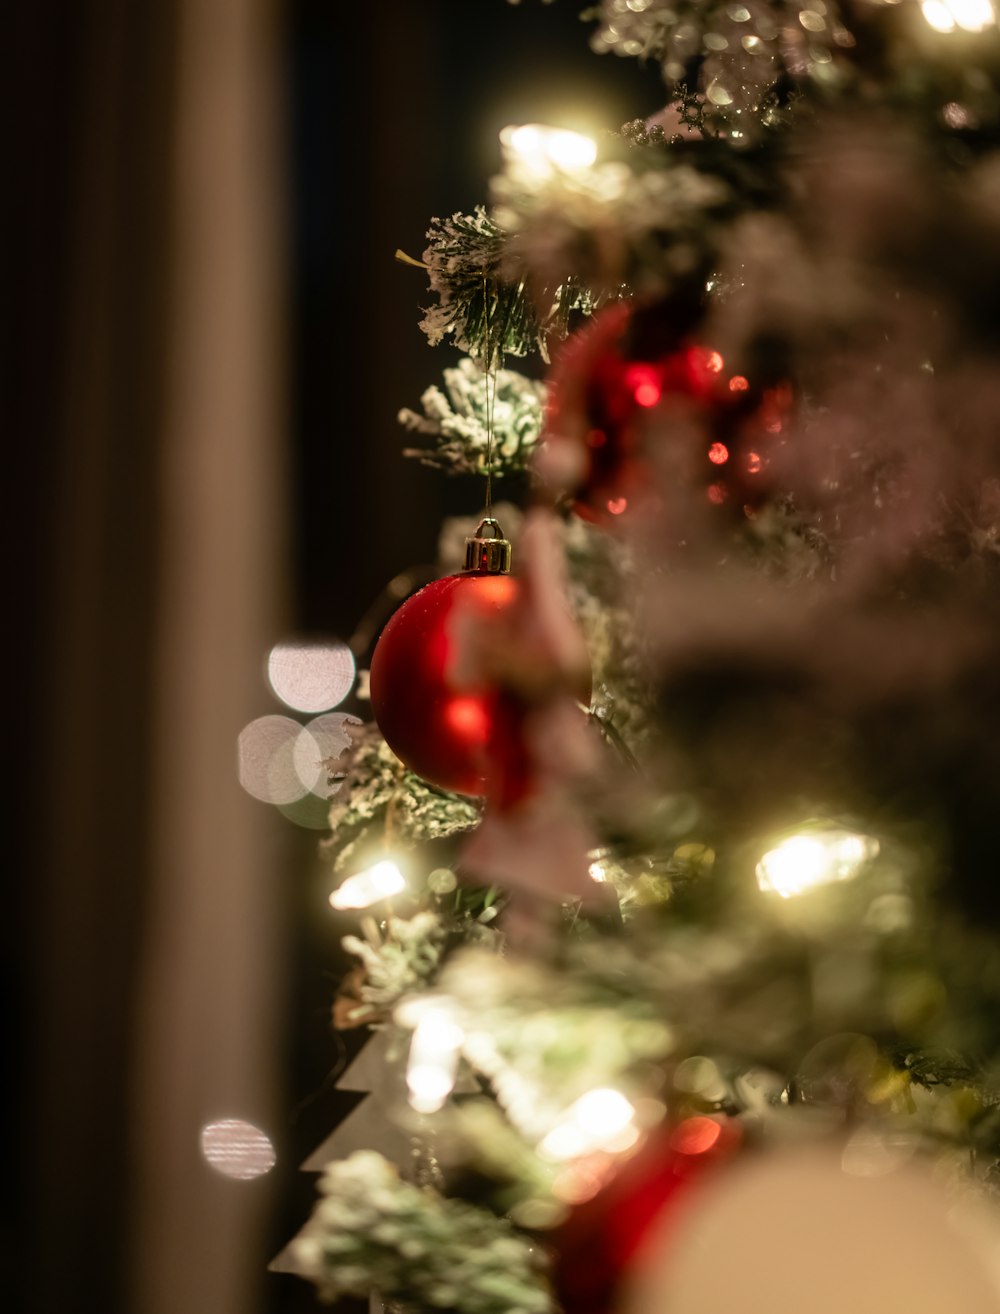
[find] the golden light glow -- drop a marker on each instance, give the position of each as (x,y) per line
(969,15)
(381,881)
(803,862)
(541,151)
(432,1066)
(602,1120)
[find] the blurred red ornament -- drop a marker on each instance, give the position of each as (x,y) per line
(440,732)
(611,389)
(597,1244)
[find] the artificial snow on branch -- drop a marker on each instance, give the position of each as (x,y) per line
(740,70)
(379,798)
(461,416)
(485,312)
(373,1232)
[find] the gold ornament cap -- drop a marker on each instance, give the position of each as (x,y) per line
(487,552)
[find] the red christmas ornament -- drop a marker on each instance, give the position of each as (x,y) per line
(596,1245)
(610,390)
(441,732)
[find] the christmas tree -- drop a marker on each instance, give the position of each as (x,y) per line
(670,838)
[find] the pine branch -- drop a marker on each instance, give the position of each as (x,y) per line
(487,314)
(374,1232)
(377,788)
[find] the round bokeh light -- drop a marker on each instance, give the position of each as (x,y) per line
(237,1149)
(311,677)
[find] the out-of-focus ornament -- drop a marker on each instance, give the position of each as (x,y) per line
(594,1248)
(819,1229)
(536,832)
(534,655)
(441,731)
(617,389)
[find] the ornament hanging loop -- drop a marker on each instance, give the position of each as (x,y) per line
(487,552)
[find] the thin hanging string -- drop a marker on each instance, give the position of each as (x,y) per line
(491,392)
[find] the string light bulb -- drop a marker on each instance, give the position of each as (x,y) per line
(381,881)
(598,865)
(969,15)
(432,1065)
(810,859)
(602,1119)
(540,152)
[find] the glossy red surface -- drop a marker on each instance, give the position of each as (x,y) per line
(441,732)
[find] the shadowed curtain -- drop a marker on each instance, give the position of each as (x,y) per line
(146,499)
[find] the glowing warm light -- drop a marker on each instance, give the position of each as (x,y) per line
(468,718)
(543,151)
(432,1066)
(714,362)
(696,1135)
(598,872)
(616,505)
(379,882)
(716,493)
(237,1149)
(754,462)
(738,383)
(969,15)
(580,1181)
(603,1112)
(803,862)
(311,677)
(565,1142)
(938,15)
(718,453)
(600,1120)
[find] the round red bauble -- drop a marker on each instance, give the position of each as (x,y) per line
(593,1250)
(441,733)
(612,387)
